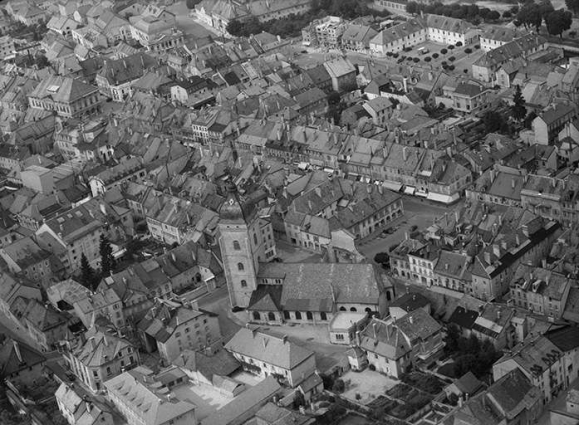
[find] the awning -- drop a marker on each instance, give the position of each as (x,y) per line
(445,199)
(392,186)
(409,190)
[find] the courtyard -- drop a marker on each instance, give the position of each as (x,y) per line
(206,398)
(367,384)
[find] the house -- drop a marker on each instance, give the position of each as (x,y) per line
(14,288)
(513,399)
(541,291)
(28,14)
(469,98)
(45,325)
(116,77)
(324,32)
(407,303)
(466,386)
(484,69)
(495,323)
(543,363)
(385,348)
(19,360)
(103,179)
(446,30)
(206,368)
(549,123)
(26,257)
(89,306)
(452,271)
(78,411)
(71,234)
(100,358)
(494,36)
(68,97)
(342,73)
(357,38)
(379,109)
(170,327)
(266,355)
(145,398)
(393,346)
(137,287)
(247,404)
(398,37)
(62,25)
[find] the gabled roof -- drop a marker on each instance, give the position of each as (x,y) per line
(62,89)
(17,356)
(259,345)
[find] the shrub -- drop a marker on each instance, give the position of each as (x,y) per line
(358,396)
(435,55)
(451,67)
(458,44)
(427,59)
(339,386)
(468,51)
(465,71)
(443,63)
(407,49)
(413,228)
(477,46)
(409,58)
(382,257)
(388,54)
(452,58)
(451,47)
(444,51)
(416,60)
(395,55)
(372,368)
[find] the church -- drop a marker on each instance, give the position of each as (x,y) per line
(276,293)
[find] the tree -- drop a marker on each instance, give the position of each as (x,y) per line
(546,8)
(572,5)
(559,21)
(87,273)
(108,262)
(518,109)
(507,14)
(493,15)
(192,3)
(382,258)
(530,16)
(412,7)
(493,122)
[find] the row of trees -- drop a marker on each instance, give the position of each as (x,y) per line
(90,277)
(534,14)
(291,26)
(469,12)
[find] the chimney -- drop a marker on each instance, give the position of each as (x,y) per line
(405,84)
(374,329)
(499,314)
(513,183)
(406,235)
(173,257)
(88,407)
(411,319)
(487,256)
(17,351)
(446,266)
(285,340)
(404,153)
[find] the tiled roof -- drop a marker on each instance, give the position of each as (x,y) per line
(273,350)
(418,325)
(17,356)
(384,339)
(62,89)
(410,301)
(100,348)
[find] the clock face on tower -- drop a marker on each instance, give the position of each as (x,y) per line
(231,202)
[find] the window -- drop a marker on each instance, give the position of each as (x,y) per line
(240,267)
(298,315)
(323,316)
(236,246)
(255,238)
(309,315)
(244,284)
